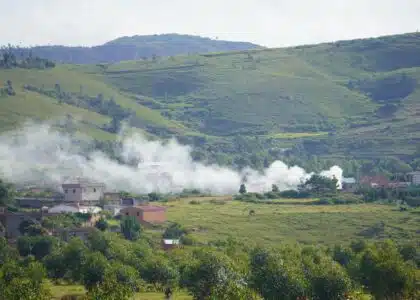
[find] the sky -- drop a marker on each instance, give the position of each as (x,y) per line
(271,23)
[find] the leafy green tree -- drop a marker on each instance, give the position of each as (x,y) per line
(23,283)
(328,280)
(212,275)
(383,271)
(94,269)
(55,265)
(101,224)
(6,193)
(242,189)
(174,231)
(159,272)
(275,188)
(74,255)
(130,228)
(39,246)
(319,185)
(109,289)
(277,277)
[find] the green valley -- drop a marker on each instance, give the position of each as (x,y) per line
(348,102)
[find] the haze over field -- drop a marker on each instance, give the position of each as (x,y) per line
(39,154)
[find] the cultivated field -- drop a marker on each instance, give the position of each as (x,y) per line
(282,222)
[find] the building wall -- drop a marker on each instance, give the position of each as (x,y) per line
(72,194)
(416,179)
(154,216)
(145,216)
(93,193)
(80,194)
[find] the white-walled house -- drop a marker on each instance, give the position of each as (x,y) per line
(83,191)
(74,208)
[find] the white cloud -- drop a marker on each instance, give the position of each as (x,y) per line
(267,22)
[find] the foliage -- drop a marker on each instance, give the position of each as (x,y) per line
(101,224)
(174,231)
(242,189)
(320,185)
(6,193)
(130,228)
(23,283)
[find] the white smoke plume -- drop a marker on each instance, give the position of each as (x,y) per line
(37,153)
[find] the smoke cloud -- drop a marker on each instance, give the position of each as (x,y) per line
(38,154)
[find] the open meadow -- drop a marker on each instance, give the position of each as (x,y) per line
(211,219)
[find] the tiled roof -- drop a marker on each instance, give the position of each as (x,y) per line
(150,208)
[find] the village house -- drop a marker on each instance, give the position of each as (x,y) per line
(74,208)
(168,244)
(348,184)
(12,220)
(67,234)
(83,191)
(377,181)
(414,178)
(146,214)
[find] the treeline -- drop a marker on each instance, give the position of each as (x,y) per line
(113,267)
(14,57)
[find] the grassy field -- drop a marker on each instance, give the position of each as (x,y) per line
(284,222)
(59,291)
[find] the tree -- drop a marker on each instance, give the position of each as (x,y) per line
(5,193)
(242,189)
(23,282)
(24,226)
(319,185)
(94,269)
(211,275)
(109,289)
(275,188)
(277,277)
(174,231)
(39,246)
(383,271)
(101,224)
(130,228)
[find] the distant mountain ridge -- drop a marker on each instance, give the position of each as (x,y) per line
(138,47)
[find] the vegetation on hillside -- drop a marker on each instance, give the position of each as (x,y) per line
(351,103)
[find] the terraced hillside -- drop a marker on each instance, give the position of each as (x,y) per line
(352,99)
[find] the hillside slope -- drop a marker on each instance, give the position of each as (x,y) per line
(351,99)
(137,47)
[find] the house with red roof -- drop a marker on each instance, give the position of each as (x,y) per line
(146,214)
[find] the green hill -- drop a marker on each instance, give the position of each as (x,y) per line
(136,47)
(349,100)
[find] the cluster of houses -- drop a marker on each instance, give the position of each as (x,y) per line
(380,181)
(81,196)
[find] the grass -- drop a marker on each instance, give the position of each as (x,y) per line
(308,224)
(59,291)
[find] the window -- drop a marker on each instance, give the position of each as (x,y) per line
(74,191)
(138,214)
(94,190)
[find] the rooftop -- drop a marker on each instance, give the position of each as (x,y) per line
(149,208)
(79,181)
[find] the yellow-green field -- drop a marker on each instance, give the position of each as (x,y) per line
(284,222)
(59,291)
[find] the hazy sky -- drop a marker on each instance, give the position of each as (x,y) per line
(266,22)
